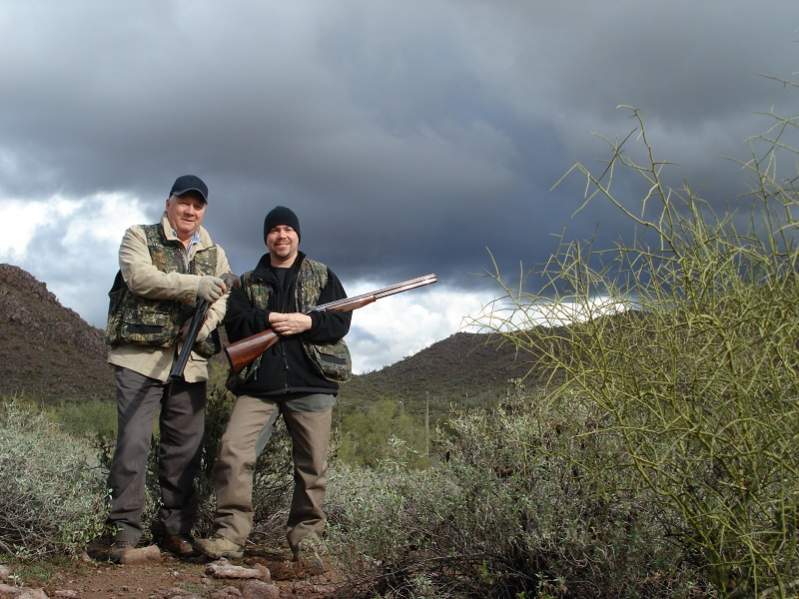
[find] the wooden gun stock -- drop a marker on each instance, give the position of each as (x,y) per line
(243,352)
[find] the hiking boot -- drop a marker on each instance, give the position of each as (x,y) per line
(219,546)
(120,550)
(179,546)
(310,553)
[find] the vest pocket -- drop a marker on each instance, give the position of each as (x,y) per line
(333,360)
(151,323)
(144,328)
(337,360)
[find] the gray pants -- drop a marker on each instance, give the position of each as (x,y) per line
(308,420)
(181,424)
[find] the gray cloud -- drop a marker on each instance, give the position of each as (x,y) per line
(407,136)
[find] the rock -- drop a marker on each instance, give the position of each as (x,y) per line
(9,591)
(323,589)
(4,572)
(67,593)
(257,589)
(171,593)
(141,555)
(226,593)
(32,594)
(283,571)
(222,568)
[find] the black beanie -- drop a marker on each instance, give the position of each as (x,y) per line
(280,215)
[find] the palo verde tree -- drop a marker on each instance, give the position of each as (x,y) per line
(699,380)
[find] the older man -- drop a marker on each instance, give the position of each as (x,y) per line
(297,378)
(164,269)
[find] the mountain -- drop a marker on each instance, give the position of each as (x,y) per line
(462,370)
(47,351)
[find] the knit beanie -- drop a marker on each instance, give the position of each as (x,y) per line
(280,215)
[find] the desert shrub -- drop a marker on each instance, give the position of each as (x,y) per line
(372,435)
(85,418)
(529,498)
(699,386)
(53,493)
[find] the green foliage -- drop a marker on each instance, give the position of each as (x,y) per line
(53,493)
(530,498)
(698,387)
(85,418)
(381,432)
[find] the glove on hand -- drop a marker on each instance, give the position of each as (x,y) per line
(210,288)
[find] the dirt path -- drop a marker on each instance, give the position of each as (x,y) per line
(171,578)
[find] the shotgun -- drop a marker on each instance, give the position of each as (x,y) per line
(243,352)
(197,320)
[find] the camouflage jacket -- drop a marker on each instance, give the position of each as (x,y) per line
(134,319)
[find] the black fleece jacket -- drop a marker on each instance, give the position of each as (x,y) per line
(285,369)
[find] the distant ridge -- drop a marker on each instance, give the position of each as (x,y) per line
(464,369)
(47,351)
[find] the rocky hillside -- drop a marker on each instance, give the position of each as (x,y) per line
(46,350)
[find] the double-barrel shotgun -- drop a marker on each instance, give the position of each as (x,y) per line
(197,320)
(243,352)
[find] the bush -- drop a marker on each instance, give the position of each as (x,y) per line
(530,498)
(85,418)
(53,492)
(699,386)
(373,435)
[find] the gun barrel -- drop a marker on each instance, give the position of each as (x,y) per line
(367,298)
(197,319)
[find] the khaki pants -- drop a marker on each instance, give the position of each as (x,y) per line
(308,420)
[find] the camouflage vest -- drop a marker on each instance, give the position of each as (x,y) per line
(156,323)
(331,359)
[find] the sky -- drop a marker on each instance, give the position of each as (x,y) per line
(409,137)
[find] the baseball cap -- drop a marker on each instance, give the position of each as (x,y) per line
(186,183)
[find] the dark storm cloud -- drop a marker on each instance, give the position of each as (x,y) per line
(407,136)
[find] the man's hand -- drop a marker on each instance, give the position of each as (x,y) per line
(289,324)
(211,288)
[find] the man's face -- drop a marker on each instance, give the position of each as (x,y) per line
(185,214)
(283,243)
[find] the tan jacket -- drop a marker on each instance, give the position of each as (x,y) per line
(144,279)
